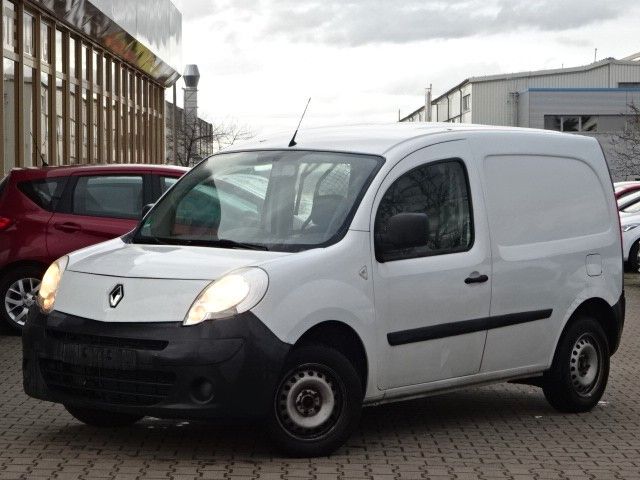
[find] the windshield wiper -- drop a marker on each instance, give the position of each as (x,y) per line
(221,243)
(227,243)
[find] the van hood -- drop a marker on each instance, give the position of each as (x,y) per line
(119,259)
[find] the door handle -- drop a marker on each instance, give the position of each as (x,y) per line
(475,278)
(68,227)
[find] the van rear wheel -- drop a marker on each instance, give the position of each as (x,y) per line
(317,403)
(102,418)
(580,370)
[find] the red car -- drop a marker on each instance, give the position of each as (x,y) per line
(46,213)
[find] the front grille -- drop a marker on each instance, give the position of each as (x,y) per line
(122,387)
(98,340)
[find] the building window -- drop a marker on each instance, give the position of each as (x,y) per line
(571,123)
(94,68)
(43,149)
(28,27)
(73,128)
(466,103)
(9,38)
(105,73)
(9,110)
(629,85)
(28,114)
(72,57)
(45,34)
(84,60)
(94,113)
(59,52)
(59,122)
(85,125)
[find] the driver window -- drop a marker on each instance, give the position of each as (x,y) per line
(440,190)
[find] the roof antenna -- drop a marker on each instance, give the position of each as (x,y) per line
(293,143)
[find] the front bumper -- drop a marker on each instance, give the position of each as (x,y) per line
(221,368)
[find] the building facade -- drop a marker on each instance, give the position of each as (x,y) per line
(189,139)
(591,100)
(84,82)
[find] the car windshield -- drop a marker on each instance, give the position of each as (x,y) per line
(271,200)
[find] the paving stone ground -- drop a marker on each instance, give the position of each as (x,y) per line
(495,432)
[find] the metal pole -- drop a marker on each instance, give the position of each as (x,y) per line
(174,132)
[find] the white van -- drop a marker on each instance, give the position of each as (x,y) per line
(365,265)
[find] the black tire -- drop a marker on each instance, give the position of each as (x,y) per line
(317,383)
(102,418)
(11,314)
(580,370)
(632,265)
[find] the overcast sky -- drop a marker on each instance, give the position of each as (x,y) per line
(362,60)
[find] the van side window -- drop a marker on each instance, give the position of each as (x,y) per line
(439,190)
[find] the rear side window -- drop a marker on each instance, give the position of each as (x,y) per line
(166,183)
(532,199)
(440,190)
(108,196)
(44,193)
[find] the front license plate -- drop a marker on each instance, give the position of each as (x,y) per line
(99,357)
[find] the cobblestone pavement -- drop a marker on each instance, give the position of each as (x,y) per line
(501,431)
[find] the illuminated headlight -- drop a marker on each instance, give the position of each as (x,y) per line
(237,292)
(50,283)
(631,226)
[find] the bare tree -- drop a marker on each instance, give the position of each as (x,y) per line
(195,138)
(626,146)
(226,134)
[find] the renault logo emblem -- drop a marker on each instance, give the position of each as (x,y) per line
(116,295)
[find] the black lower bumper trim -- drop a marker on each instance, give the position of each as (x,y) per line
(218,368)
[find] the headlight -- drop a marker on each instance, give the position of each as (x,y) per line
(50,283)
(631,226)
(234,293)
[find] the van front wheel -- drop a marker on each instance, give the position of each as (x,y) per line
(317,403)
(580,370)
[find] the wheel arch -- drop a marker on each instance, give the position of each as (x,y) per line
(21,264)
(604,314)
(342,337)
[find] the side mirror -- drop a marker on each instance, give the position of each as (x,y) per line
(146,209)
(408,230)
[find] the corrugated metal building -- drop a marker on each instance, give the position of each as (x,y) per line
(591,100)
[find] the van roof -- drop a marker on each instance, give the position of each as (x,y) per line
(368,138)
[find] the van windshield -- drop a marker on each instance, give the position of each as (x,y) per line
(270,200)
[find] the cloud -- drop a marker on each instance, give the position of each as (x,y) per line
(196,9)
(361,22)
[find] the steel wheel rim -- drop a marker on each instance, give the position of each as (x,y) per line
(20,296)
(586,365)
(309,401)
